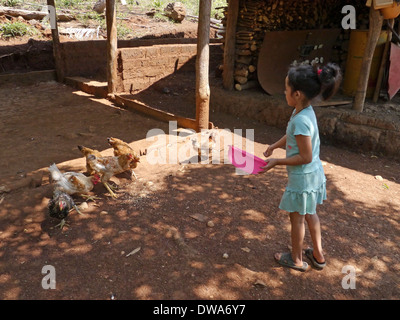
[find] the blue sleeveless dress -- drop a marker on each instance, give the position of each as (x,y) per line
(306,183)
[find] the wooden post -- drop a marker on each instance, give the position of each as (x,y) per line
(112,45)
(375,28)
(57,52)
(385,57)
(202,66)
(230,44)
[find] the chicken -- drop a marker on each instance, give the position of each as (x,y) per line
(110,166)
(205,143)
(60,206)
(120,147)
(86,151)
(73,182)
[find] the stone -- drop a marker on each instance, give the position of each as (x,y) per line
(175,11)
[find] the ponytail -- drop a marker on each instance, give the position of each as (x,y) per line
(330,78)
(313,82)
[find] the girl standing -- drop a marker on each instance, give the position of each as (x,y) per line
(306,179)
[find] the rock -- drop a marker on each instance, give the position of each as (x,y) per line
(210,224)
(99,6)
(83,206)
(225,256)
(260,284)
(175,11)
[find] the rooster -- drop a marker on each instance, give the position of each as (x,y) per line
(86,151)
(60,206)
(73,182)
(110,166)
(120,147)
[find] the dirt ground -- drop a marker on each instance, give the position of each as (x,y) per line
(154,241)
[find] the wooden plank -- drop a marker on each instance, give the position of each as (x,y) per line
(164,116)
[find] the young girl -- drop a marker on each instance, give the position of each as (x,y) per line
(306,179)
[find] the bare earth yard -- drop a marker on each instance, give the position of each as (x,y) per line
(154,241)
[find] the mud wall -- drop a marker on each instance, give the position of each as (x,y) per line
(349,128)
(140,62)
(139,68)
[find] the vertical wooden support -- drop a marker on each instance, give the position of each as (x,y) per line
(112,45)
(202,66)
(57,52)
(230,44)
(385,57)
(375,28)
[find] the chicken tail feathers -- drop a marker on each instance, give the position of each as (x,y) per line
(55,173)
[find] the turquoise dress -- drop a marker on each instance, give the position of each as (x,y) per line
(306,183)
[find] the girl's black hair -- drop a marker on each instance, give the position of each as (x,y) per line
(314,82)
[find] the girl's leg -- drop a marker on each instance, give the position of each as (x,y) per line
(298,232)
(315,231)
(297,235)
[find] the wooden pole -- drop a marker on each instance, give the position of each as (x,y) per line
(112,45)
(230,44)
(375,28)
(382,68)
(57,51)
(202,66)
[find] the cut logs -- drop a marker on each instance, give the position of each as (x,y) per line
(33,15)
(257,17)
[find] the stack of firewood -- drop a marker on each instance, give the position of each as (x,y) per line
(256,17)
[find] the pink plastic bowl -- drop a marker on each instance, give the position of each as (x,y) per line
(245,161)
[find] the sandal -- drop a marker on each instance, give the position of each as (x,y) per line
(314,262)
(287,261)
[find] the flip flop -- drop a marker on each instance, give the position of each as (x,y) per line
(314,262)
(287,261)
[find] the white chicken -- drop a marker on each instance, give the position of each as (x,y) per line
(73,182)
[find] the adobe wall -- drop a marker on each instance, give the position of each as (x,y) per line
(139,68)
(338,126)
(140,62)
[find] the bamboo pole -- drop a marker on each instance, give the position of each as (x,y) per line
(57,51)
(202,66)
(382,68)
(230,43)
(375,28)
(112,44)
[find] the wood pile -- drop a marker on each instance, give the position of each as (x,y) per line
(257,17)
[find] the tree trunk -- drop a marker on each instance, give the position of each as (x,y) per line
(375,28)
(112,45)
(202,66)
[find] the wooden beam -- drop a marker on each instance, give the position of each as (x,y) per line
(230,44)
(57,51)
(202,66)
(112,45)
(375,28)
(385,57)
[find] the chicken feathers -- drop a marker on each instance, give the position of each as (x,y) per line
(72,182)
(110,166)
(86,151)
(120,148)
(60,206)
